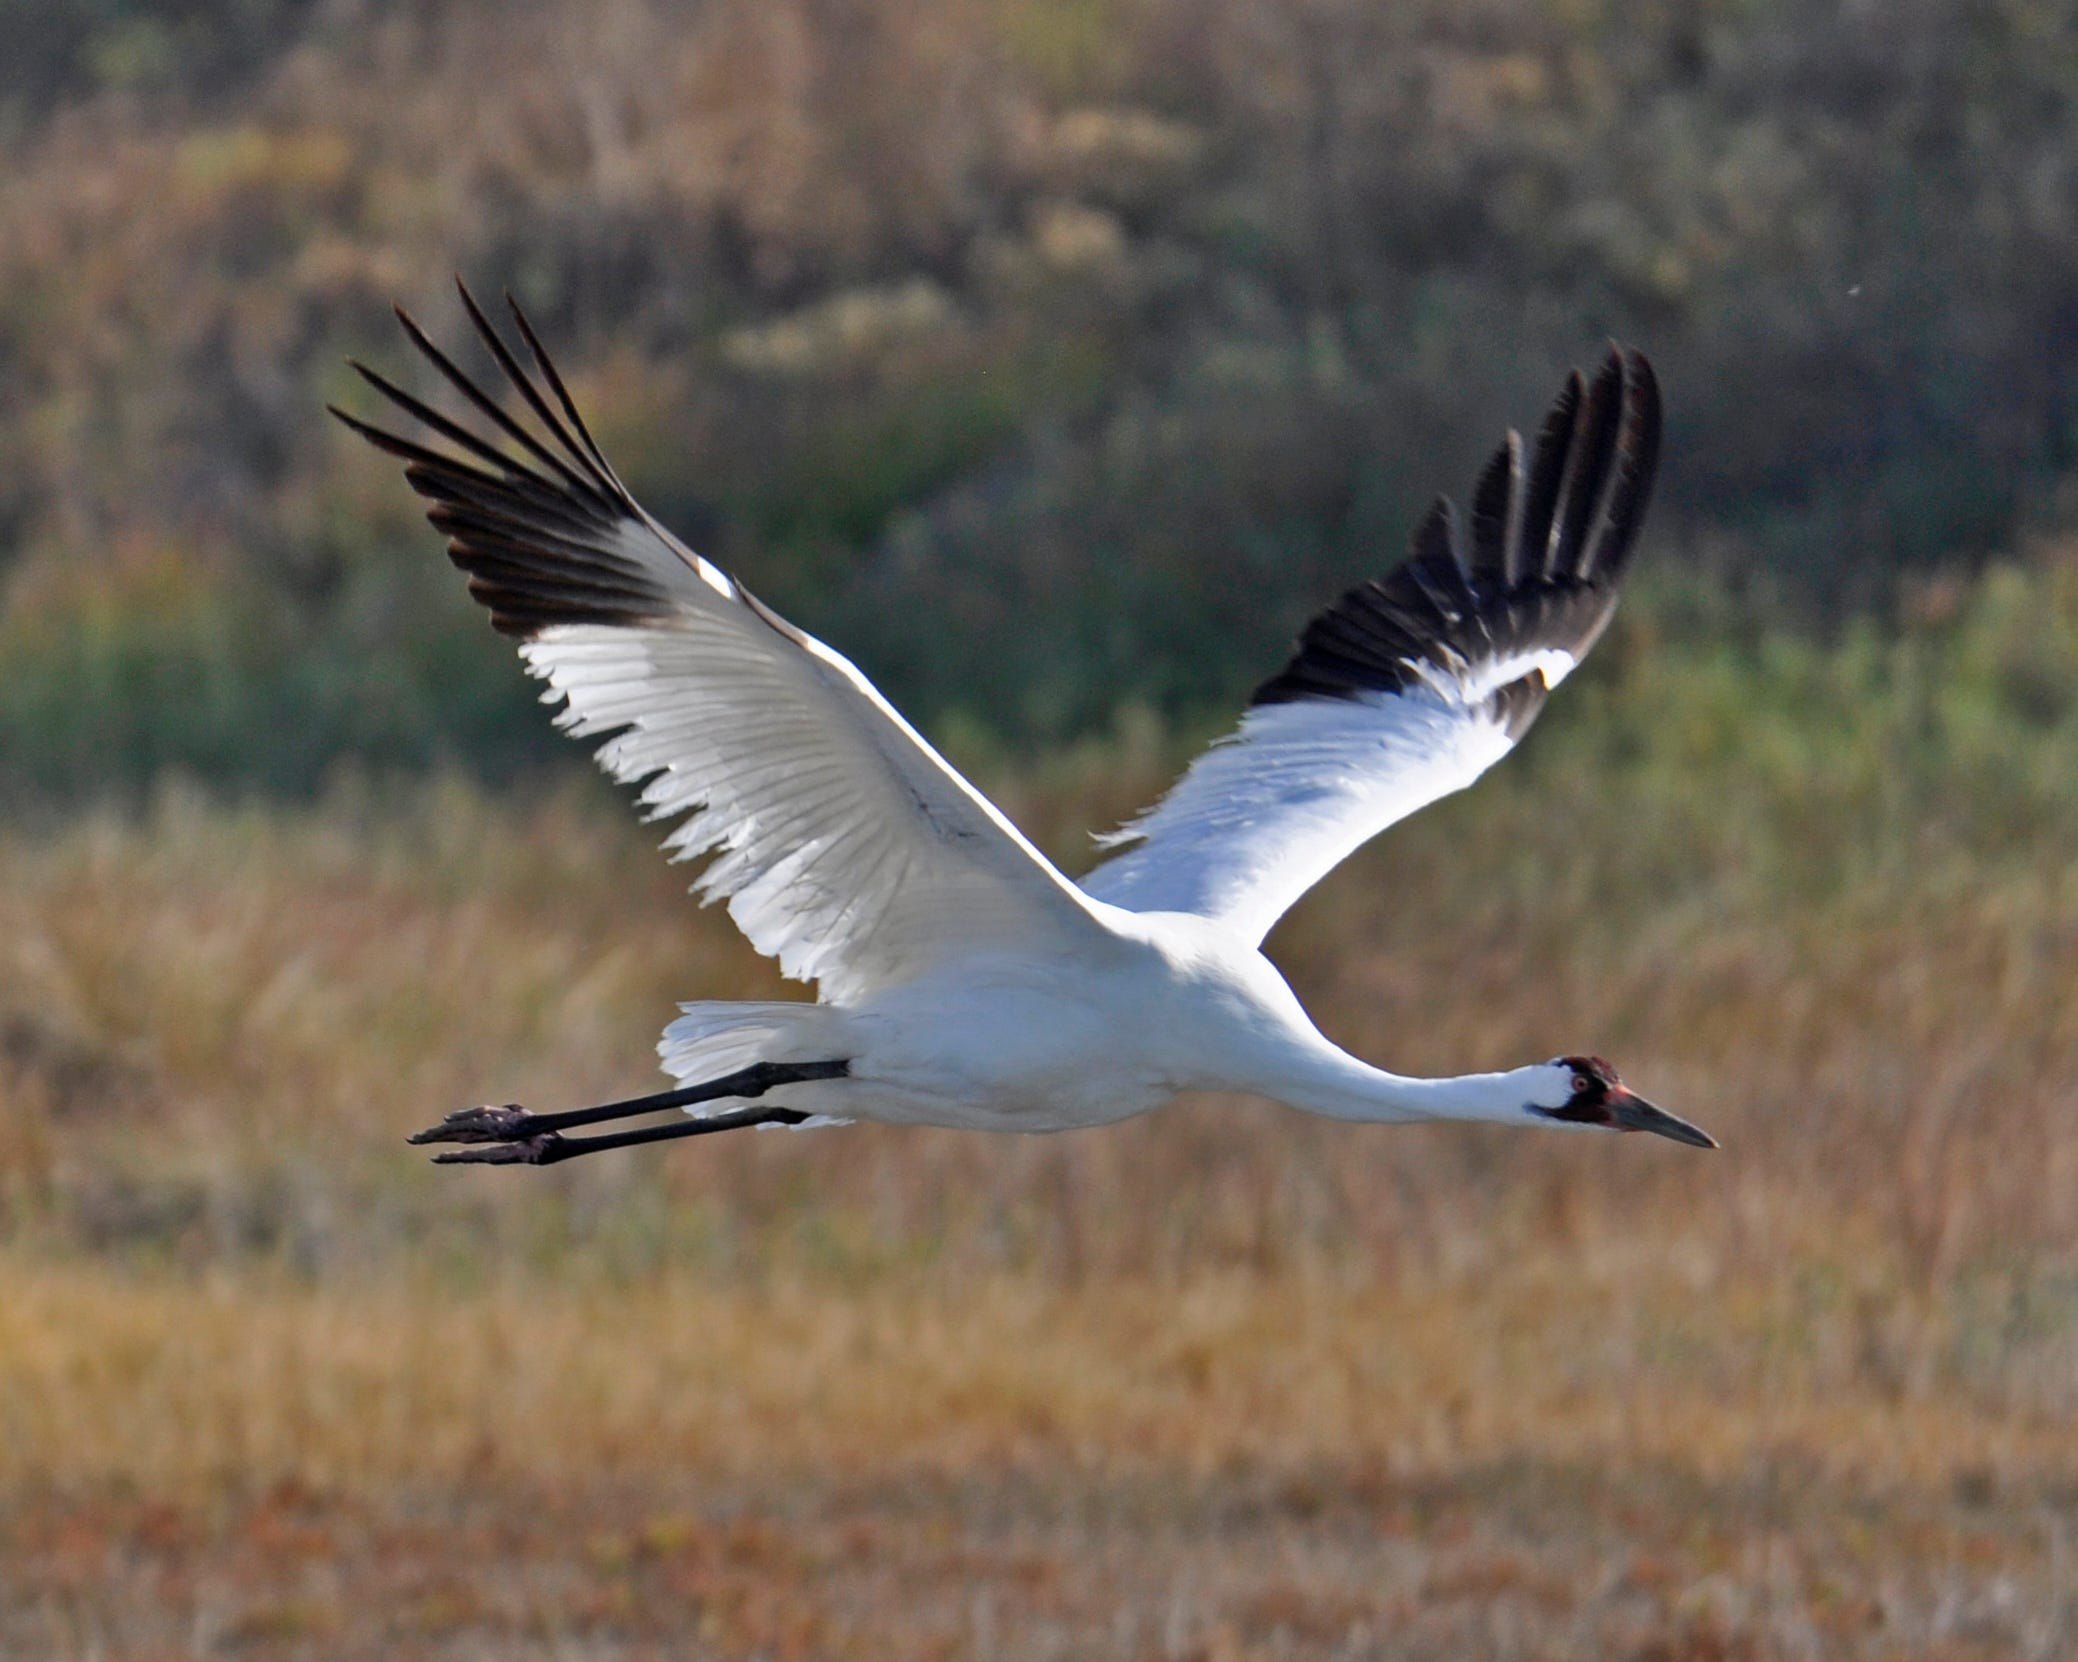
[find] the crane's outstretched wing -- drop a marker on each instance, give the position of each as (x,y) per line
(1410,687)
(846,847)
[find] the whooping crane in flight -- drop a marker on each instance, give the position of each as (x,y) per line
(962,980)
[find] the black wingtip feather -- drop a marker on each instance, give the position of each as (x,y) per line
(511,469)
(1621,509)
(1496,512)
(488,407)
(1548,473)
(1547,552)
(1588,457)
(541,536)
(587,457)
(555,382)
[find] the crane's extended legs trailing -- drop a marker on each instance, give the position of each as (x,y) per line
(510,1136)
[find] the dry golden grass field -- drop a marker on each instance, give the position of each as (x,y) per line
(1223,1383)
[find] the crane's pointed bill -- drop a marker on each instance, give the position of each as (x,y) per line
(1631,1112)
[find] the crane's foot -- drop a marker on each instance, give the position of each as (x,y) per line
(510,1136)
(543,1150)
(546,1148)
(487,1124)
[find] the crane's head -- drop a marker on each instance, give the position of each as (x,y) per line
(1584,1090)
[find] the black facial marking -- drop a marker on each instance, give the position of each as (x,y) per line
(1593,1079)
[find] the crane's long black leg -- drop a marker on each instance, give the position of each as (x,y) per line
(547,1147)
(511,1123)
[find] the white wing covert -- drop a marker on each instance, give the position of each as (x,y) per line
(844,845)
(1409,687)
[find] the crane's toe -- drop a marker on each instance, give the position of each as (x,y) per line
(486,1124)
(543,1150)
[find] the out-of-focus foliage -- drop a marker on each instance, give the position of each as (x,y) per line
(1047,356)
(53,51)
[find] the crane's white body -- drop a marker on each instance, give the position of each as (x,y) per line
(1158,1004)
(962,979)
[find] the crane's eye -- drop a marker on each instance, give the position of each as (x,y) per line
(1581,1083)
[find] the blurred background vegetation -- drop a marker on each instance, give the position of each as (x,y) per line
(1053,358)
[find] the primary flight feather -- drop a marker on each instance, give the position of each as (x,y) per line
(961,978)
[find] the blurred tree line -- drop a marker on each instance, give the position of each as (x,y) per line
(1047,355)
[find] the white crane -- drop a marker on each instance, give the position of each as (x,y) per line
(962,980)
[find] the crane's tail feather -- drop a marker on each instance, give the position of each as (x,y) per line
(715,1038)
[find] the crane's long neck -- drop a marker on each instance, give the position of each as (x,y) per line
(1248,1031)
(1329,1081)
